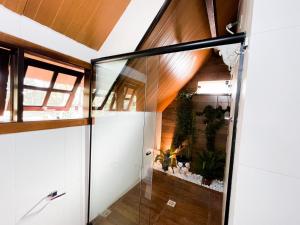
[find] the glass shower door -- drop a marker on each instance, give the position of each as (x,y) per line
(122,143)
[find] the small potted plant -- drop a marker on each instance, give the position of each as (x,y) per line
(210,165)
(167,158)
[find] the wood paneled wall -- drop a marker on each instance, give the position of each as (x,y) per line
(214,69)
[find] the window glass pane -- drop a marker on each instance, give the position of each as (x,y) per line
(58,99)
(75,111)
(33,97)
(65,82)
(38,77)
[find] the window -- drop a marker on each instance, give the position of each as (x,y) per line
(5,86)
(51,91)
(216,87)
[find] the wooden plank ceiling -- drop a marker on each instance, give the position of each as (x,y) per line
(86,21)
(182,21)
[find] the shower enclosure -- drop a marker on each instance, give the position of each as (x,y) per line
(127,185)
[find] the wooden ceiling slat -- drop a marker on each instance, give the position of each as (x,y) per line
(31,8)
(15,5)
(86,21)
(104,20)
(66,14)
(47,12)
(81,15)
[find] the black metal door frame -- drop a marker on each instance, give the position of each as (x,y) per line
(188,46)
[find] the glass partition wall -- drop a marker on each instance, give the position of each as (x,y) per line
(161,139)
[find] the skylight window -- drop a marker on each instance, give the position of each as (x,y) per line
(218,87)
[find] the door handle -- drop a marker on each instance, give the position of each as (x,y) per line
(148,153)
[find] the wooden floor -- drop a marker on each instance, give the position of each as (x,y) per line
(195,205)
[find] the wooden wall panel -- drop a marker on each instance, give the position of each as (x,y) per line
(226,12)
(88,22)
(214,69)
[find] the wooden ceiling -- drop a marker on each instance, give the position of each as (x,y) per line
(182,21)
(86,21)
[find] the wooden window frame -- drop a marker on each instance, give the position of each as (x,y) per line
(56,71)
(19,65)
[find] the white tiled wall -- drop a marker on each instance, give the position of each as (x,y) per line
(33,164)
(267,177)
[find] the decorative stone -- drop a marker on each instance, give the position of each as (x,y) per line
(187,165)
(183,173)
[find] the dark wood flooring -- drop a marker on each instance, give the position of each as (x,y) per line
(195,205)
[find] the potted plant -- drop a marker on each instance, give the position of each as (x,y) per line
(184,131)
(214,118)
(167,158)
(210,165)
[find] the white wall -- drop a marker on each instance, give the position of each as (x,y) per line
(118,155)
(32,165)
(267,177)
(131,27)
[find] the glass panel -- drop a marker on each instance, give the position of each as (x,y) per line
(117,141)
(184,136)
(65,82)
(58,99)
(33,97)
(38,77)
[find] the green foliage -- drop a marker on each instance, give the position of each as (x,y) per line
(167,158)
(185,120)
(214,120)
(211,164)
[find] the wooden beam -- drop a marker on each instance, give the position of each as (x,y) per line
(17,127)
(9,41)
(211,13)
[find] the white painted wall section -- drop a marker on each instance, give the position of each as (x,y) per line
(131,27)
(32,165)
(267,177)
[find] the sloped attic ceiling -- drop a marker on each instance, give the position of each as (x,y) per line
(86,21)
(183,21)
